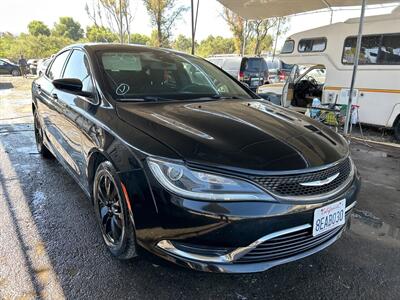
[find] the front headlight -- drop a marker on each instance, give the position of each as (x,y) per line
(180,180)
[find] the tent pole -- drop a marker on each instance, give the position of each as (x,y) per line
(355,67)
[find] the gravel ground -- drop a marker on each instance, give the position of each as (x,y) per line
(51,248)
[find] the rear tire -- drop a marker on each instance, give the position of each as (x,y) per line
(112,213)
(41,148)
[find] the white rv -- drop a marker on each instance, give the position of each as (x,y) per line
(329,54)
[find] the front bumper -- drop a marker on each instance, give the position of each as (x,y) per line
(235,261)
(218,237)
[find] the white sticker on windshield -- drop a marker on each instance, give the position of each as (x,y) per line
(121,62)
(122,89)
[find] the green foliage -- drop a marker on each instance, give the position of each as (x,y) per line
(140,39)
(37,28)
(256,48)
(31,46)
(182,43)
(100,34)
(215,45)
(163,16)
(67,27)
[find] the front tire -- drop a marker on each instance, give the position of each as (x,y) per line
(15,72)
(41,148)
(112,213)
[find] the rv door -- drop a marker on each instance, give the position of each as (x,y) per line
(288,88)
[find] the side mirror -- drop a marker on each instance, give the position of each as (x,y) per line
(71,85)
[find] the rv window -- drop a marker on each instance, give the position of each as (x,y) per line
(312,45)
(369,50)
(390,50)
(288,47)
(375,50)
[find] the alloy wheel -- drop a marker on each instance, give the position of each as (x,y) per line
(110,212)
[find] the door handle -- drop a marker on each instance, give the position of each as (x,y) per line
(38,86)
(54,96)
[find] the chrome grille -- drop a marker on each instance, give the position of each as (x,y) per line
(287,245)
(289,185)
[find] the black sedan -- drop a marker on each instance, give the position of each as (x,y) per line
(181,160)
(9,68)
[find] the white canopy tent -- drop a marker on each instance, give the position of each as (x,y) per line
(263,9)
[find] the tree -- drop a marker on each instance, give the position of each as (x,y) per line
(182,43)
(140,39)
(100,34)
(31,46)
(117,14)
(216,45)
(262,33)
(163,15)
(69,28)
(237,26)
(37,28)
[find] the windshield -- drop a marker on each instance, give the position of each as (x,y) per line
(153,75)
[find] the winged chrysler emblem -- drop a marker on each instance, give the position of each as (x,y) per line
(321,182)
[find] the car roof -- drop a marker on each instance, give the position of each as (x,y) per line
(94,47)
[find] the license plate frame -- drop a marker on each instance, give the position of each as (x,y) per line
(329,217)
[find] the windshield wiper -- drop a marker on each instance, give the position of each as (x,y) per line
(147,99)
(216,97)
(220,97)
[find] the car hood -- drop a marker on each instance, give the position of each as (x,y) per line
(246,136)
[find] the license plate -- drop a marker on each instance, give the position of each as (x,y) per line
(329,217)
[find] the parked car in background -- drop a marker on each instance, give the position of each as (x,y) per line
(42,66)
(32,66)
(250,70)
(8,67)
(278,71)
(182,160)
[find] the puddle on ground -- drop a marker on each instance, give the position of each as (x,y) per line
(38,198)
(366,224)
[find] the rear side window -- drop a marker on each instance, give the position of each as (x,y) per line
(54,72)
(78,67)
(312,45)
(380,49)
(288,46)
(253,65)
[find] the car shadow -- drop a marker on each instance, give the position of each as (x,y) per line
(6,85)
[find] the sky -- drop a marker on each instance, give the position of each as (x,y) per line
(16,14)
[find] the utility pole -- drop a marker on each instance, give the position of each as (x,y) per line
(244,38)
(192,10)
(276,39)
(194,23)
